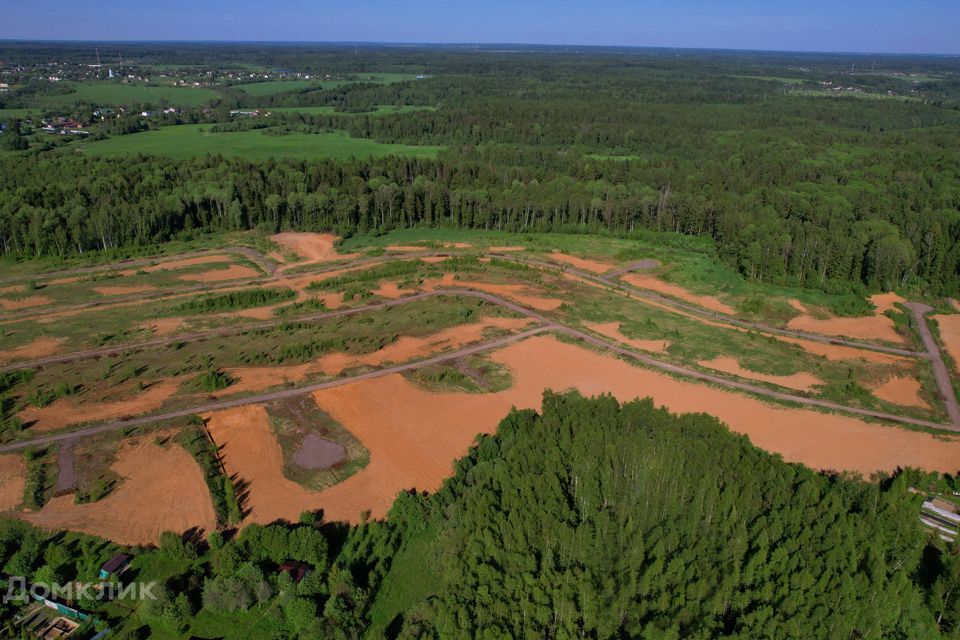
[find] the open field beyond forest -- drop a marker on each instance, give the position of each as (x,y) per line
(187,141)
(399,349)
(115,93)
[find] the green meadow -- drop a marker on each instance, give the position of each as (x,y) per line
(115,93)
(187,141)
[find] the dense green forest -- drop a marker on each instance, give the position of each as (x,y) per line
(803,187)
(590,520)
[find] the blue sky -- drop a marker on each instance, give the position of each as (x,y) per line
(904,26)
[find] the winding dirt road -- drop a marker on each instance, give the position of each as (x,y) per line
(940,372)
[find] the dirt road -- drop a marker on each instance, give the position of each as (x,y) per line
(940,373)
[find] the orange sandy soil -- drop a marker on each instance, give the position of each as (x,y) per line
(520,293)
(503,249)
(59,281)
(14,288)
(119,291)
(949,327)
(612,330)
(13,480)
(837,353)
(457,245)
(391,290)
(162,489)
(163,326)
(233,272)
(404,349)
(652,283)
(172,265)
(435,259)
(40,347)
(414,435)
(800,381)
(902,390)
(404,247)
(581,263)
(65,411)
(24,303)
(312,247)
(875,327)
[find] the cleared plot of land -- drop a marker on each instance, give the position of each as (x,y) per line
(162,489)
(901,390)
(875,327)
(652,283)
(189,141)
(612,330)
(13,480)
(800,381)
(949,327)
(582,263)
(116,93)
(413,435)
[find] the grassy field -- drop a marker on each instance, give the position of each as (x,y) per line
(12,113)
(113,93)
(187,141)
(381,110)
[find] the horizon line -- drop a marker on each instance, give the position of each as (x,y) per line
(367,43)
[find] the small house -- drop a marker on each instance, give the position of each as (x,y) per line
(296,570)
(115,566)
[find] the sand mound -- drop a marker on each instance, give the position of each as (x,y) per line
(41,347)
(24,303)
(581,263)
(315,247)
(233,272)
(902,390)
(800,381)
(413,435)
(66,411)
(163,489)
(875,327)
(13,480)
(119,291)
(612,330)
(652,283)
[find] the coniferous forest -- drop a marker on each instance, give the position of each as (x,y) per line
(807,187)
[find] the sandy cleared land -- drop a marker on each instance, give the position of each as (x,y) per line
(173,265)
(162,489)
(66,411)
(41,347)
(581,263)
(120,291)
(414,435)
(837,353)
(13,480)
(436,259)
(457,245)
(404,248)
(506,249)
(312,247)
(612,330)
(233,272)
(801,381)
(253,456)
(520,293)
(24,303)
(164,326)
(949,326)
(404,349)
(391,291)
(902,390)
(653,283)
(68,280)
(14,288)
(875,327)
